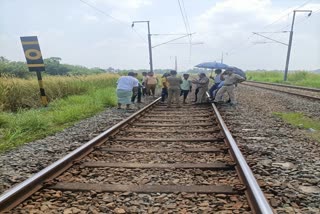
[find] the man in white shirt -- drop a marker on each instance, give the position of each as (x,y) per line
(125,86)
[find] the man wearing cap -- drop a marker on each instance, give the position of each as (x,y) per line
(125,86)
(202,83)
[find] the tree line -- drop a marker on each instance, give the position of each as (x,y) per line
(53,66)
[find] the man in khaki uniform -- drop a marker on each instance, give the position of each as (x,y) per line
(202,83)
(230,79)
(173,88)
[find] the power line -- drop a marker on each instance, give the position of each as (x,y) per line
(183,18)
(247,40)
(186,16)
(168,34)
(186,24)
(171,40)
(112,17)
(101,11)
(287,14)
(140,36)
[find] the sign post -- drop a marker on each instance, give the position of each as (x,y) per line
(35,62)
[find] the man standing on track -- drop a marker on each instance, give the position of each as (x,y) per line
(136,93)
(186,87)
(125,86)
(173,88)
(217,81)
(151,83)
(203,83)
(165,84)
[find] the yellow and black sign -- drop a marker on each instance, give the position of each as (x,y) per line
(35,62)
(32,52)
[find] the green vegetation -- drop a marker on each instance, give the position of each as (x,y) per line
(72,98)
(53,67)
(301,78)
(301,121)
(18,93)
(28,125)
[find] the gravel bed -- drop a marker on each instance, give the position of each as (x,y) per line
(149,176)
(283,158)
(92,202)
(170,157)
(22,162)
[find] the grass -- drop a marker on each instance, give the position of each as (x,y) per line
(28,125)
(18,93)
(301,121)
(300,78)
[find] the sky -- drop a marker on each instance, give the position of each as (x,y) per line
(98,33)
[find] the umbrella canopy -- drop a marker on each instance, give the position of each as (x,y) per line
(212,65)
(237,71)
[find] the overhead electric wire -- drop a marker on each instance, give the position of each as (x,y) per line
(101,11)
(112,17)
(141,37)
(287,14)
(186,16)
(186,24)
(170,41)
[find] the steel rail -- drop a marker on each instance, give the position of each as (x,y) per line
(287,86)
(19,193)
(286,92)
(256,199)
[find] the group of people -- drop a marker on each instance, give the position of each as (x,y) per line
(129,88)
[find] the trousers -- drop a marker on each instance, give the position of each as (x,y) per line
(223,90)
(173,93)
(202,97)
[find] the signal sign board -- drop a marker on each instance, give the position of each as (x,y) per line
(32,53)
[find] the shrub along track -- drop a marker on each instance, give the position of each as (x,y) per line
(158,160)
(311,93)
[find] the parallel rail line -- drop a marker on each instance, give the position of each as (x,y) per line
(129,137)
(310,93)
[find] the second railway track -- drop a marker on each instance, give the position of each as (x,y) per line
(310,93)
(160,160)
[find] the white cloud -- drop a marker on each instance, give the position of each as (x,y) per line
(90,18)
(124,4)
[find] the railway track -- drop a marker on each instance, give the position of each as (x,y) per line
(310,93)
(159,160)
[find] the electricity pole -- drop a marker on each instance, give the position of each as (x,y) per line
(175,63)
(149,42)
(290,42)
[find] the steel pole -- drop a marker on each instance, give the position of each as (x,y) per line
(150,48)
(289,49)
(222,57)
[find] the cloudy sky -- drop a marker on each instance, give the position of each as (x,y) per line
(98,32)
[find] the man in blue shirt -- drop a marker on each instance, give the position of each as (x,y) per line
(217,81)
